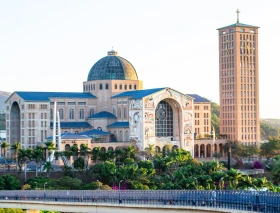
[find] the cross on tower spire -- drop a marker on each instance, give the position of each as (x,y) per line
(237,11)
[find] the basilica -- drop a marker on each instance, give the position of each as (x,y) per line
(112,111)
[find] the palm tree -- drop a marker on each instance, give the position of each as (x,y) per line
(129,150)
(23,156)
(38,155)
(84,151)
(16,146)
(150,150)
(49,147)
(75,151)
(47,166)
(4,146)
(96,153)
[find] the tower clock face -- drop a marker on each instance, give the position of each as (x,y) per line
(161,114)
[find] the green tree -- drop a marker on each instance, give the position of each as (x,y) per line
(8,182)
(269,149)
(84,152)
(15,147)
(48,167)
(38,155)
(150,150)
(268,130)
(23,156)
(50,146)
(95,153)
(4,147)
(215,117)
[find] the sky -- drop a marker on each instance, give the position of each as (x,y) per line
(51,45)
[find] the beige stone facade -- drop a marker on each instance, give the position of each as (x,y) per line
(239,83)
(114,103)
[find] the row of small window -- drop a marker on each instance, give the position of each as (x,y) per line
(249,115)
(62,103)
(71,114)
(247,93)
(91,87)
(227,80)
(249,136)
(227,45)
(227,94)
(227,115)
(249,143)
(248,101)
(228,108)
(228,65)
(227,52)
(247,65)
(120,112)
(226,38)
(249,129)
(242,30)
(228,87)
(248,122)
(204,107)
(247,37)
(228,122)
(197,122)
(228,59)
(248,108)
(33,106)
(226,101)
(247,72)
(247,51)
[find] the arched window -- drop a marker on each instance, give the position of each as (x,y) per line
(116,86)
(124,112)
(107,86)
(125,87)
(67,147)
(82,115)
(121,136)
(119,113)
(164,120)
(71,114)
(120,86)
(130,86)
(91,112)
(61,114)
(100,86)
(135,86)
(114,111)
(93,86)
(126,136)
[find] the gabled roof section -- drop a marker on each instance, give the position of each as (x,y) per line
(198,99)
(137,94)
(103,114)
(94,132)
(69,135)
(238,25)
(45,96)
(66,125)
(119,124)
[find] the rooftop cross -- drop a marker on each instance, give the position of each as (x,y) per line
(237,11)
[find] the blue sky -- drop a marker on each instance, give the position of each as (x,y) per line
(51,45)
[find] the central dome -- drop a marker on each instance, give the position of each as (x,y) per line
(112,67)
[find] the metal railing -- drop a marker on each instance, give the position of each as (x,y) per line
(227,199)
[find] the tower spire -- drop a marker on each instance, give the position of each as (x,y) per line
(237,11)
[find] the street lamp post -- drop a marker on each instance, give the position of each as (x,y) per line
(120,184)
(196,183)
(220,181)
(45,186)
(229,158)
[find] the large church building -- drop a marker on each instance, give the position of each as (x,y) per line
(112,111)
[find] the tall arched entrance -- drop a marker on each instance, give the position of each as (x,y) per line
(14,123)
